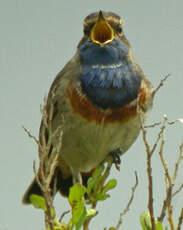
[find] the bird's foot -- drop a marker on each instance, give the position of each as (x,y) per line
(115,154)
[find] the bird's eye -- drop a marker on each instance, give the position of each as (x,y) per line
(86,30)
(119,29)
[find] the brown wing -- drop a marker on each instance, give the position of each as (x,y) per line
(54,111)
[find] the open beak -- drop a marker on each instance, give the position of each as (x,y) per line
(101,33)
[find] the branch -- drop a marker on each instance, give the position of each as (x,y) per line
(169,182)
(180,220)
(149,173)
(150,190)
(161,84)
(48,160)
(149,167)
(126,209)
(30,135)
(153,125)
(179,159)
(178,190)
(167,201)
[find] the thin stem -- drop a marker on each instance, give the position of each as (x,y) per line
(126,209)
(180,220)
(150,190)
(161,83)
(170,218)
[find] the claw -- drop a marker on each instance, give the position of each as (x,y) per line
(115,154)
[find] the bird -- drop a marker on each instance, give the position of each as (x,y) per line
(96,99)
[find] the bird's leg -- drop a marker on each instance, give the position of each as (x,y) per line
(115,154)
(76,176)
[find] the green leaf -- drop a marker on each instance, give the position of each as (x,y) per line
(98,171)
(145,221)
(90,184)
(61,226)
(80,222)
(159,226)
(94,179)
(102,196)
(91,212)
(76,193)
(110,185)
(76,200)
(38,202)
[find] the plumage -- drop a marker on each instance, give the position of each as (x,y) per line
(95,99)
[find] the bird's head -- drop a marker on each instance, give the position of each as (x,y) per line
(102,28)
(108,75)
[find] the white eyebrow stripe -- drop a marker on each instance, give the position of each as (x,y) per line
(106,66)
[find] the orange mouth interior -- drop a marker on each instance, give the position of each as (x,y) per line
(102,33)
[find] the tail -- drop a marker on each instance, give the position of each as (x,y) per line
(58,183)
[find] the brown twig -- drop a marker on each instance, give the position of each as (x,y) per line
(149,173)
(180,220)
(177,164)
(126,209)
(150,152)
(168,198)
(36,175)
(161,152)
(179,159)
(48,161)
(30,135)
(169,182)
(168,179)
(177,120)
(167,201)
(178,190)
(170,212)
(63,214)
(159,135)
(170,217)
(153,125)
(43,185)
(150,190)
(86,224)
(161,84)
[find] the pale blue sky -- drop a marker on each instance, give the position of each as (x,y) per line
(36,39)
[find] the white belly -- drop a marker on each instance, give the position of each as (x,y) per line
(85,145)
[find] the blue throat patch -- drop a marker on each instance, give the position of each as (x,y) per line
(108,78)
